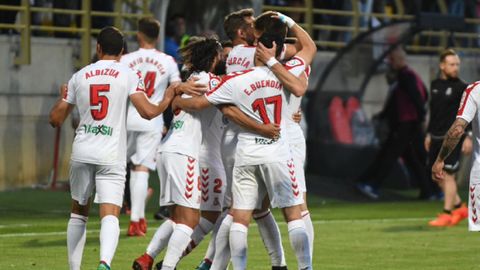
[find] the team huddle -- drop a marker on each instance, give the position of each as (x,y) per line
(234,148)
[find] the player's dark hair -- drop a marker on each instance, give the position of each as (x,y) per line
(227,44)
(110,40)
(235,21)
(200,54)
(150,28)
(267,40)
(265,22)
(446,53)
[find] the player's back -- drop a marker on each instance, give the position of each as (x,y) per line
(240,58)
(259,94)
(100,92)
(158,70)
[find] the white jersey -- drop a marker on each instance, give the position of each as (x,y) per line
(241,57)
(259,94)
(157,70)
(185,133)
(294,130)
(469,111)
(212,130)
(100,91)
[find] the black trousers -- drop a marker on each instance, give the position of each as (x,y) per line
(404,140)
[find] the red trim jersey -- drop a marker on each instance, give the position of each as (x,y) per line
(260,95)
(468,111)
(100,91)
(158,70)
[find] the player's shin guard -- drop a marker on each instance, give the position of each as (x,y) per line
(177,244)
(238,246)
(160,238)
(138,194)
(76,236)
(310,230)
(203,228)
(299,242)
(270,234)
(109,233)
(222,245)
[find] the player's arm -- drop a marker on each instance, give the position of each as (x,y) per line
(191,88)
(149,110)
(234,114)
(190,104)
(295,85)
(305,42)
(60,110)
(451,140)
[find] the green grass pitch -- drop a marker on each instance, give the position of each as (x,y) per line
(389,235)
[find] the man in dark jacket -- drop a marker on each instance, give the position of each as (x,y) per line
(405,112)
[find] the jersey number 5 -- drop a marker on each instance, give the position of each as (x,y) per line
(260,105)
(98,98)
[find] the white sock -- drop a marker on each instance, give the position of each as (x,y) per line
(138,194)
(238,245)
(179,240)
(109,232)
(299,242)
(160,238)
(76,236)
(222,245)
(211,246)
(271,237)
(203,228)
(310,230)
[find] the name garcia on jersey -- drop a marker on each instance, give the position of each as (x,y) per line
(147,60)
(241,61)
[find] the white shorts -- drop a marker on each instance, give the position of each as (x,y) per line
(298,151)
(474,208)
(142,146)
(212,185)
(108,181)
(178,176)
(229,146)
(277,180)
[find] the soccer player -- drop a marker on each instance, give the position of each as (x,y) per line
(177,164)
(261,165)
(446,93)
(100,91)
(158,71)
(467,112)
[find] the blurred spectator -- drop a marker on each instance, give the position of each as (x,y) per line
(175,36)
(66,20)
(404,112)
(8,16)
(99,22)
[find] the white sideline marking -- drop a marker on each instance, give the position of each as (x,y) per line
(334,221)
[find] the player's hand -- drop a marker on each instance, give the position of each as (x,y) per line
(285,19)
(438,173)
(263,53)
(297,117)
(467,146)
(191,88)
(427,142)
(271,131)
